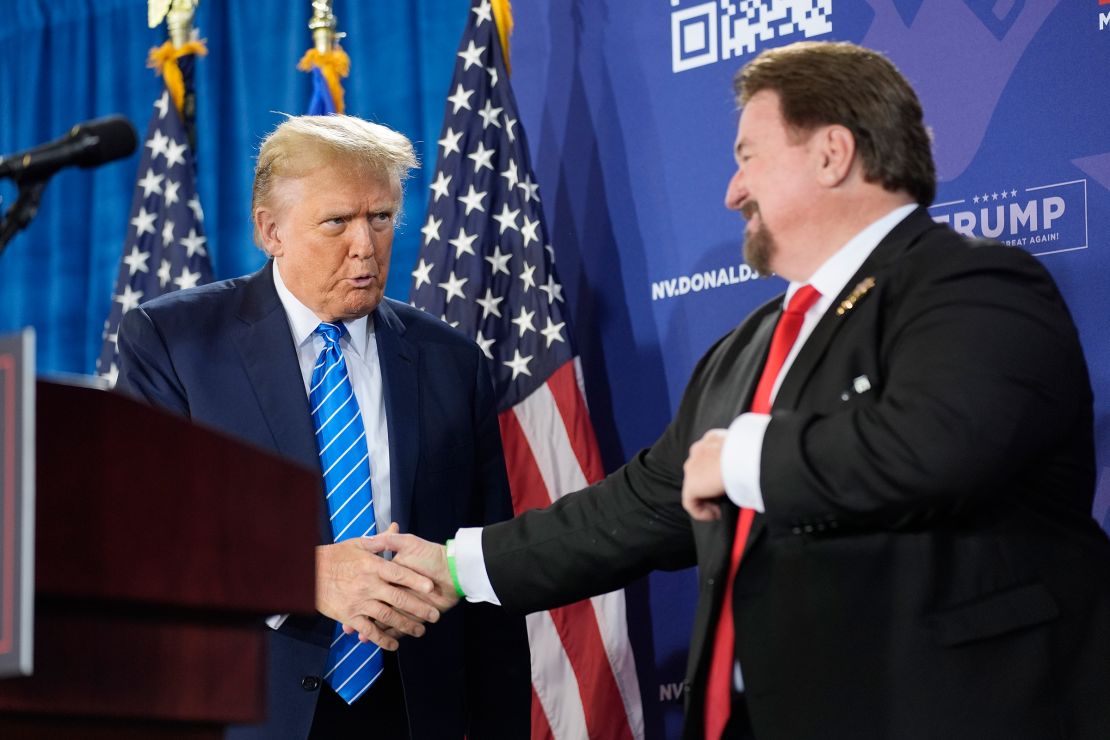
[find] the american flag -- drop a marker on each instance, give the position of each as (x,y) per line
(165,249)
(487,267)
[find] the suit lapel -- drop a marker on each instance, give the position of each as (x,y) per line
(809,357)
(399,360)
(270,360)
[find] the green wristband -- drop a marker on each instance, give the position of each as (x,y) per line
(453,569)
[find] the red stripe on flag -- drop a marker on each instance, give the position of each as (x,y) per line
(601,699)
(577,623)
(541,728)
(525,481)
(576,418)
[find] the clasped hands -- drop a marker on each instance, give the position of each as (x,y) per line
(383,600)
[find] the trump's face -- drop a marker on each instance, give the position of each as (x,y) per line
(330,233)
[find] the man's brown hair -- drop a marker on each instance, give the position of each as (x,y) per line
(823,83)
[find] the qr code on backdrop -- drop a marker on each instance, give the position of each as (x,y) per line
(710,32)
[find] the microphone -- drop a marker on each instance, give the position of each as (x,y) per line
(88,144)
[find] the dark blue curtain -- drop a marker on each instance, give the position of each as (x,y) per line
(65,61)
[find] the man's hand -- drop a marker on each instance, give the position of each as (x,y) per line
(371,595)
(702,484)
(428,559)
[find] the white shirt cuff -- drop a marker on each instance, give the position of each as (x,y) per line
(470,565)
(740,460)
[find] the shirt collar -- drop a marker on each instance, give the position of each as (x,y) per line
(303,322)
(834,274)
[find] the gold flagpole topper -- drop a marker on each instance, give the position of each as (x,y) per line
(178,15)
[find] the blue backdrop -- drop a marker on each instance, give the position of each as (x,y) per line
(629,113)
(629,110)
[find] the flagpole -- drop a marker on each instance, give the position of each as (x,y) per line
(325,61)
(165,248)
(323,25)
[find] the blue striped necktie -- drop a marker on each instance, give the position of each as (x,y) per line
(341,438)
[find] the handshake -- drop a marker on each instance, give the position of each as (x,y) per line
(380,599)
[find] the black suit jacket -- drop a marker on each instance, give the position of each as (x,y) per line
(222,355)
(928,566)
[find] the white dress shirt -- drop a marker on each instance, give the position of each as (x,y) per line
(740,456)
(360,351)
(741,452)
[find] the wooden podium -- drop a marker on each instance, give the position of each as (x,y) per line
(161,547)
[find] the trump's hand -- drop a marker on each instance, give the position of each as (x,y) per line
(368,594)
(702,485)
(428,559)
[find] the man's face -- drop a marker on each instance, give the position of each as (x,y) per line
(773,182)
(331,234)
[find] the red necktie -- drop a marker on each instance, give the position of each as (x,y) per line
(718,694)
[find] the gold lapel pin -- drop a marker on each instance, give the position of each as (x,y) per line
(854,297)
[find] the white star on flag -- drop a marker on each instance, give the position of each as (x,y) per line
(171,191)
(473,200)
(518,364)
(422,272)
(450,143)
(472,55)
(439,187)
(144,222)
(175,154)
(163,105)
(524,320)
(499,262)
(136,261)
(526,278)
(453,286)
(187,279)
(152,183)
(158,144)
(130,298)
(489,115)
(481,157)
(528,230)
(489,304)
(507,218)
(463,243)
(431,229)
(553,289)
(552,332)
(461,98)
(193,243)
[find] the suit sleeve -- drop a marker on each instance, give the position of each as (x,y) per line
(145,368)
(498,667)
(605,536)
(982,373)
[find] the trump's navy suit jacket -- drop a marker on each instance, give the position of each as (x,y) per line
(223,355)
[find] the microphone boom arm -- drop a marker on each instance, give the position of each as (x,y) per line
(22,211)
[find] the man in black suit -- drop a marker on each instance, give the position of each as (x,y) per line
(420,445)
(887,473)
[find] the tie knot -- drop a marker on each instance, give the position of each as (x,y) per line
(803,299)
(331,333)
